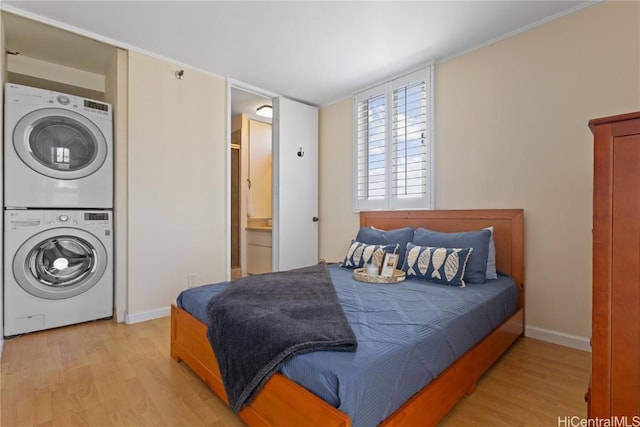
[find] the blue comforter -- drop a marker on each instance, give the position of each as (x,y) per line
(407,335)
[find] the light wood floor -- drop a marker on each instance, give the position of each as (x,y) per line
(107,374)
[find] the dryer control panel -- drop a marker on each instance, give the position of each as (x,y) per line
(19,94)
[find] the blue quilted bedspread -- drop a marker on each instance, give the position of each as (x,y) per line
(407,335)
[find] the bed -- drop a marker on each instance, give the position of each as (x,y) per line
(283,402)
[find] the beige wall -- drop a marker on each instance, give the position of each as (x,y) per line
(511,132)
(337,225)
(37,73)
(177,174)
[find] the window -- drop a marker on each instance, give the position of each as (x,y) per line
(393,144)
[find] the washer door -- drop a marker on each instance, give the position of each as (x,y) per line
(59,143)
(60,263)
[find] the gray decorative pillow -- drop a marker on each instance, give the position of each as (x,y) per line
(491,272)
(361,254)
(440,265)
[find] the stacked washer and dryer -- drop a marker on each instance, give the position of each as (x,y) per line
(58,209)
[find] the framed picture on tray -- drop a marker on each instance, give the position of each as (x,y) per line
(389,264)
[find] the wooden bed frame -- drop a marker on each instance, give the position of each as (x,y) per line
(283,403)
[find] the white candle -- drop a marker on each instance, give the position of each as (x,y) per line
(372,270)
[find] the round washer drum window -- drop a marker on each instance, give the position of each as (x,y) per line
(61,261)
(61,143)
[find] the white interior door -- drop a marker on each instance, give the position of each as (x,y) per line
(295,184)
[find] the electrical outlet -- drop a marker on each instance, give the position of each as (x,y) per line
(191,280)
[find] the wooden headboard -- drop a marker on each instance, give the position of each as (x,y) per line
(508,231)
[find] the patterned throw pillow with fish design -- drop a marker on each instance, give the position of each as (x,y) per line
(476,269)
(361,254)
(440,265)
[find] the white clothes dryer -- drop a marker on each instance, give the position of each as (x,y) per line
(58,150)
(58,268)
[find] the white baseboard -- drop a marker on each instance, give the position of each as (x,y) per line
(560,338)
(147,315)
(121,316)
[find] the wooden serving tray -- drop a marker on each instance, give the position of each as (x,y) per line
(360,274)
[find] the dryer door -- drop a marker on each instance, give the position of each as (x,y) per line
(60,263)
(59,143)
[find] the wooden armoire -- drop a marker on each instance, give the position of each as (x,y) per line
(615,341)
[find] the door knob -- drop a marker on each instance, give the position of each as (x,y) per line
(316,219)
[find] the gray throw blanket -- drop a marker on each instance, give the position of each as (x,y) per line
(260,322)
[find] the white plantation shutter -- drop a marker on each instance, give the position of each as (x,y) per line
(371,149)
(393,144)
(410,142)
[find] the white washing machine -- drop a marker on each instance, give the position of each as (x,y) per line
(58,150)
(58,268)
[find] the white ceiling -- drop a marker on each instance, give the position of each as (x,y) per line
(243,102)
(313,51)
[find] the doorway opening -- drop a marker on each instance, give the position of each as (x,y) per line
(251,183)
